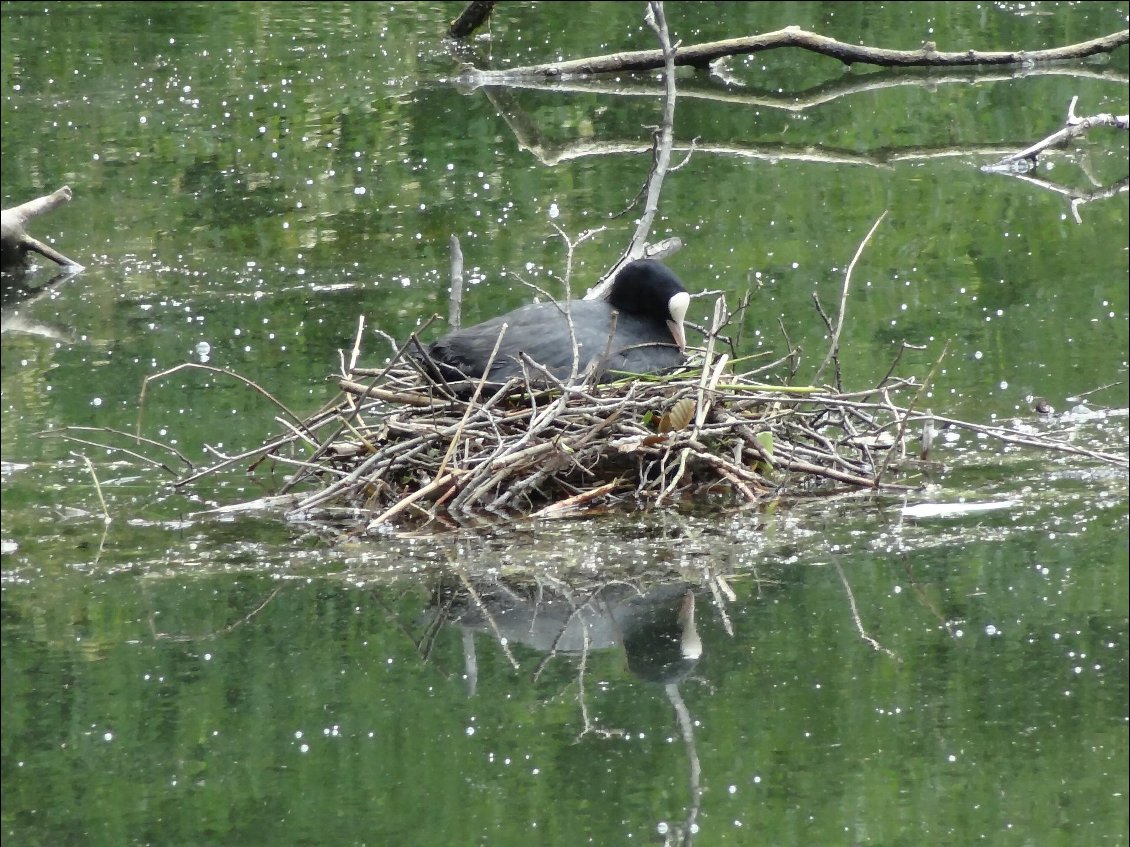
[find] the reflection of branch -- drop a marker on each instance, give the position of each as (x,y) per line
(930,605)
(67,433)
(855,615)
(701,55)
(575,614)
(16,295)
(686,727)
(721,592)
(1073,127)
(529,137)
(800,101)
(589,725)
(106,519)
(1078,198)
(470,662)
(489,618)
(160,636)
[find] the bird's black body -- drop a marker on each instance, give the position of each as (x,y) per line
(633,330)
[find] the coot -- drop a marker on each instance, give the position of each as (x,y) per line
(638,328)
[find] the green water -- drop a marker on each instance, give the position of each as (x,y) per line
(252,179)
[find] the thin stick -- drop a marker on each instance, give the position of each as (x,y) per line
(65,434)
(98,489)
(834,346)
(455,301)
(657,20)
(905,413)
(355,354)
(210,369)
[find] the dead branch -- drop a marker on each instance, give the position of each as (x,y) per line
(834,343)
(663,144)
(15,243)
(1073,127)
(473,16)
(701,55)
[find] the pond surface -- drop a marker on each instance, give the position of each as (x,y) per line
(252,179)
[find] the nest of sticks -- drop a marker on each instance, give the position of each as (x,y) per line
(402,447)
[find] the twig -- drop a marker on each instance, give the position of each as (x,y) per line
(65,432)
(657,20)
(98,490)
(209,368)
(904,417)
(355,354)
(455,301)
(834,344)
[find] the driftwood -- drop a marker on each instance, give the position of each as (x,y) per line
(471,18)
(1020,164)
(15,243)
(1073,127)
(702,55)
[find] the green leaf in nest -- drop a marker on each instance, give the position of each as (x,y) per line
(765,439)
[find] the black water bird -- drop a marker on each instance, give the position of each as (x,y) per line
(638,328)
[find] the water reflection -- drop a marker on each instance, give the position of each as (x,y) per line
(654,624)
(17,295)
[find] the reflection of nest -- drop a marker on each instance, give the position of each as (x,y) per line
(408,448)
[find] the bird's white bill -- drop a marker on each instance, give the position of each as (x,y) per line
(677,307)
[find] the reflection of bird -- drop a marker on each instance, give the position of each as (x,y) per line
(656,625)
(638,328)
(663,644)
